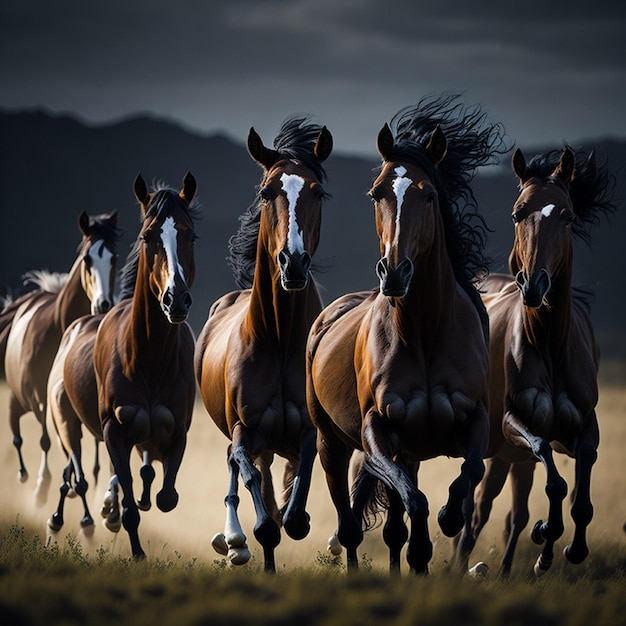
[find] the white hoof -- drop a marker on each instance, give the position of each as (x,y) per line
(239,556)
(114,527)
(479,570)
(334,547)
(236,540)
(219,544)
(541,567)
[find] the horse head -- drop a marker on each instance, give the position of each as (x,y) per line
(168,237)
(99,259)
(291,195)
(542,215)
(406,207)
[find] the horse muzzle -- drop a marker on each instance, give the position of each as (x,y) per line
(294,270)
(100,306)
(176,305)
(394,281)
(533,288)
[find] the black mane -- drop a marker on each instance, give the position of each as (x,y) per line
(295,140)
(105,228)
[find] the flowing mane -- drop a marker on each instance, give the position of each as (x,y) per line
(473,142)
(295,141)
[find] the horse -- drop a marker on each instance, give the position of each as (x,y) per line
(40,320)
(249,361)
(399,373)
(544,359)
(142,353)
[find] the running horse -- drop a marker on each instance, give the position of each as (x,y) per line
(544,360)
(250,354)
(399,373)
(143,351)
(39,321)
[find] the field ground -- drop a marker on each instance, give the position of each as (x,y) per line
(203,479)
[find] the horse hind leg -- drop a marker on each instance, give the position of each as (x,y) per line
(110,511)
(44,477)
(56,521)
(147,474)
(15,413)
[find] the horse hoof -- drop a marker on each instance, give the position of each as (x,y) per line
(541,566)
(334,547)
(576,558)
(536,534)
(239,556)
(450,524)
(22,476)
(114,526)
(144,506)
(219,544)
(297,529)
(71,493)
(479,570)
(54,525)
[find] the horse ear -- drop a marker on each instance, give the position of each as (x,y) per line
(189,188)
(323,145)
(83,222)
(518,163)
(384,142)
(565,169)
(259,152)
(437,146)
(141,191)
(113,217)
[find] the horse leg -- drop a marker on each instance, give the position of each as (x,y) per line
(521,483)
(44,477)
(263,463)
(146,473)
(296,520)
(556,489)
(335,460)
(15,413)
(585,450)
(232,542)
(111,507)
(56,521)
(266,529)
(119,451)
(395,532)
(96,461)
(377,438)
(487,490)
(473,439)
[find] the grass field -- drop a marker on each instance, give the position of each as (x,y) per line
(71,578)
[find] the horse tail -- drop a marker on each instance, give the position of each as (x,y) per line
(369,499)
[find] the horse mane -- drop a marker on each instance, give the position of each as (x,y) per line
(295,140)
(162,195)
(592,189)
(472,142)
(50,282)
(104,228)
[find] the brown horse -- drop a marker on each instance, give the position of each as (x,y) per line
(544,361)
(137,360)
(400,373)
(40,320)
(250,353)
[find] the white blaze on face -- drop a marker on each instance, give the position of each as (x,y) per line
(168,237)
(400,185)
(101,263)
(547,210)
(292,185)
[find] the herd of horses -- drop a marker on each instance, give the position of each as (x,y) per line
(441,359)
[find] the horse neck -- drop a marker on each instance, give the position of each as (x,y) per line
(428,307)
(284,318)
(72,301)
(548,327)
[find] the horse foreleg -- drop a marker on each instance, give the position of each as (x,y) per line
(521,484)
(44,477)
(119,451)
(296,520)
(146,473)
(585,449)
(232,542)
(111,507)
(15,413)
(56,521)
(556,489)
(266,529)
(377,444)
(96,461)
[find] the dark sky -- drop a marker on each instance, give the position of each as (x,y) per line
(548,70)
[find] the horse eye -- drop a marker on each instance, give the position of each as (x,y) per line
(266,194)
(375,194)
(87,261)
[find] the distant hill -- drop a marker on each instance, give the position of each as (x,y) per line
(53,167)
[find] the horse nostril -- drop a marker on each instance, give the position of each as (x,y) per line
(283,259)
(168,299)
(105,306)
(520,279)
(306,262)
(187,300)
(405,269)
(381,268)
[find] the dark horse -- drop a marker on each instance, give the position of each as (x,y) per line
(40,320)
(250,354)
(401,372)
(137,360)
(544,360)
